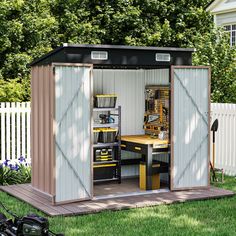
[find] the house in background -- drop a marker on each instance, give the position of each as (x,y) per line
(224,12)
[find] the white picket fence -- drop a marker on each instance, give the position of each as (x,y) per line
(15,130)
(225,136)
(15,133)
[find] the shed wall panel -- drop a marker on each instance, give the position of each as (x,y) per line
(129,85)
(42,128)
(73,133)
(190,133)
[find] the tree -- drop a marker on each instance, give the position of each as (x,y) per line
(213,49)
(132,22)
(14,90)
(27,30)
(31,28)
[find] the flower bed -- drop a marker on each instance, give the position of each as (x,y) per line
(17,172)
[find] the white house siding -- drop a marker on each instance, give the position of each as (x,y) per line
(225,18)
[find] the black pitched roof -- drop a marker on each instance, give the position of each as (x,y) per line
(119,55)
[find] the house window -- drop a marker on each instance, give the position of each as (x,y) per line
(232,31)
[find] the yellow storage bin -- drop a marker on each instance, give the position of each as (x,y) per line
(105,100)
(95,135)
(107,135)
(142,177)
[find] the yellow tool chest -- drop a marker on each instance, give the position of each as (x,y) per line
(142,177)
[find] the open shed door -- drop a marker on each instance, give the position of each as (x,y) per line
(73,145)
(190,106)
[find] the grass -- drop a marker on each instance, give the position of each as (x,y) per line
(210,217)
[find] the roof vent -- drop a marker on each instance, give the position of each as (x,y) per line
(99,55)
(162,57)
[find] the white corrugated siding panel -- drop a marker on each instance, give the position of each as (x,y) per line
(225,136)
(157,77)
(129,85)
(73,99)
(190,131)
(226,18)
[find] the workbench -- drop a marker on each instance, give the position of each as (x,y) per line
(147,146)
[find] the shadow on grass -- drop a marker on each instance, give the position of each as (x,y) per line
(212,217)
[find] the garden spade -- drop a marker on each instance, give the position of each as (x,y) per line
(214,129)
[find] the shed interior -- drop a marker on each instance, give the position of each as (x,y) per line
(129,86)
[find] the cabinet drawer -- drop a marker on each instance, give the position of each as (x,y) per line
(138,148)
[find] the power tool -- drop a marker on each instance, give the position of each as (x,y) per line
(29,225)
(106,119)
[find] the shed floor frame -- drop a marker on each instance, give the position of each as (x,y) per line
(42,202)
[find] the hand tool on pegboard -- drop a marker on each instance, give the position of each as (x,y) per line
(156,117)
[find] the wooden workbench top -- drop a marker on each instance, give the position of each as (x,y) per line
(143,139)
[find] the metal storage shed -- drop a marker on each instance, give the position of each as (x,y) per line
(63,83)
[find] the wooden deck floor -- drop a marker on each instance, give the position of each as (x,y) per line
(42,202)
(110,189)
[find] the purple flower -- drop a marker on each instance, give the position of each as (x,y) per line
(21,159)
(16,167)
(5,163)
(1,166)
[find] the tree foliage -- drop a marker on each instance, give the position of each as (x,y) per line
(133,22)
(31,28)
(213,49)
(27,30)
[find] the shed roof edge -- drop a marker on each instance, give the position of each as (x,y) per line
(103,47)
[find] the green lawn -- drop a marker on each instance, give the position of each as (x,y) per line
(211,217)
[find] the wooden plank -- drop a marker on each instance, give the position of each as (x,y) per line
(34,200)
(40,201)
(3,139)
(13,132)
(30,194)
(143,139)
(47,210)
(23,130)
(18,133)
(8,129)
(29,188)
(79,208)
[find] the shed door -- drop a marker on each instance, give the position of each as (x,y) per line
(190,127)
(73,104)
